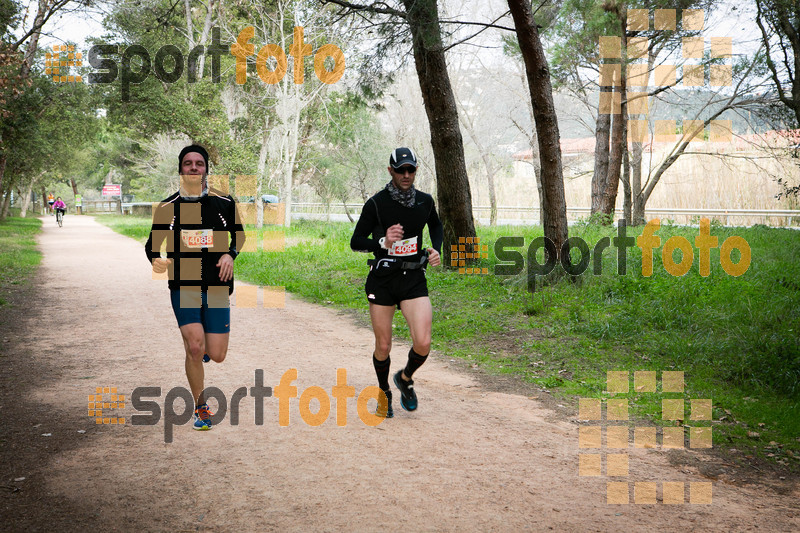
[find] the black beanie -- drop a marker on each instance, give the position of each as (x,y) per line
(192,148)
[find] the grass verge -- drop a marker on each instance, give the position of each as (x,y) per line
(20,257)
(736,338)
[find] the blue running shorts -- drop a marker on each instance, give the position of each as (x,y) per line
(190,306)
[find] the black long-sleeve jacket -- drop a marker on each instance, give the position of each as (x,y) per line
(196,235)
(381,211)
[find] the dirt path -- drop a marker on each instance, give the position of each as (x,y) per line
(468,459)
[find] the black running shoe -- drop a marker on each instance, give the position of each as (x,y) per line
(389,412)
(408,398)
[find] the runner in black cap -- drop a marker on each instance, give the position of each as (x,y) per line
(195,224)
(395,218)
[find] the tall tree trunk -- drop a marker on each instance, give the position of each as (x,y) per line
(6,202)
(618,129)
(74,187)
(44,202)
(452,185)
(538,72)
(601,147)
(3,161)
(26,200)
(637,217)
(2,192)
(536,160)
(290,157)
(260,172)
(33,44)
(626,181)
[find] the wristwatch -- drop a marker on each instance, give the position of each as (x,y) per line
(382,242)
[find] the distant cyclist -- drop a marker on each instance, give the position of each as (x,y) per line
(59,207)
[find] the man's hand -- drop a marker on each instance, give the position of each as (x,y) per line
(433,257)
(160,265)
(225,265)
(394,233)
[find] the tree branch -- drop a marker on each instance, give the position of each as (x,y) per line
(372,8)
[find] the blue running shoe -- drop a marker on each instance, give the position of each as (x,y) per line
(206,358)
(408,398)
(202,418)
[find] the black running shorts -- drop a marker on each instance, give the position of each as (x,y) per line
(396,287)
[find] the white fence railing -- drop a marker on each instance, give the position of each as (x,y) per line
(512,214)
(775,217)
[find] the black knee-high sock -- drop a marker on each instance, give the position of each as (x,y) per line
(415,361)
(382,371)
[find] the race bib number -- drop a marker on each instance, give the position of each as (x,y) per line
(198,238)
(404,247)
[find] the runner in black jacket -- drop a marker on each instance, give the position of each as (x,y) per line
(396,217)
(195,224)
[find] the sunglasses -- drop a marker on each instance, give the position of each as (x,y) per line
(403,170)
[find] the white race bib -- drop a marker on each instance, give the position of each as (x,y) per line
(404,247)
(197,238)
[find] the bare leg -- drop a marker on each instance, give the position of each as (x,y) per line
(381,317)
(217,346)
(419,315)
(195,346)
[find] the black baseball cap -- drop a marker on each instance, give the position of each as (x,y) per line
(402,156)
(192,148)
